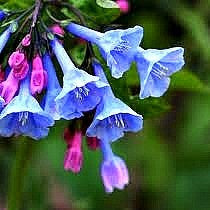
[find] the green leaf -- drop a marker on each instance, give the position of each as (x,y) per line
(94,14)
(149,107)
(107,4)
(14,4)
(187,81)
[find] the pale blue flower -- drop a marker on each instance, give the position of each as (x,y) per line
(112,117)
(81,91)
(118,47)
(155,67)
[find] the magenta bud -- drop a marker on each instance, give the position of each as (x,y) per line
(20,73)
(26,40)
(124,5)
(38,76)
(57,29)
(74,156)
(8,88)
(93,143)
(16,60)
(73,159)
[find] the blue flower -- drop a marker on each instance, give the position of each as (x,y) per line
(24,116)
(2,15)
(155,67)
(53,89)
(81,91)
(114,172)
(118,47)
(4,38)
(112,117)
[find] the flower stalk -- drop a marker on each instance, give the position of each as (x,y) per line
(18,174)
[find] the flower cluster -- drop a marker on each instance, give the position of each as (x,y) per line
(32,98)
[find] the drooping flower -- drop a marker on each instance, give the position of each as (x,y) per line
(18,63)
(73,157)
(38,76)
(9,88)
(118,47)
(81,91)
(112,117)
(113,169)
(24,116)
(53,89)
(155,67)
(3,15)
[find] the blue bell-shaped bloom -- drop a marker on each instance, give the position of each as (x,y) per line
(118,47)
(155,67)
(112,117)
(24,116)
(53,89)
(81,91)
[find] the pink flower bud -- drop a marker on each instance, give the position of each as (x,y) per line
(93,143)
(124,5)
(73,159)
(26,40)
(16,60)
(19,65)
(38,76)
(8,88)
(74,156)
(57,29)
(20,73)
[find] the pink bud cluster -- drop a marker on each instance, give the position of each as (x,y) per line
(19,66)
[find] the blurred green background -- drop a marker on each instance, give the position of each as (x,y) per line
(169,161)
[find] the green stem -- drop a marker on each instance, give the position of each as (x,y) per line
(18,174)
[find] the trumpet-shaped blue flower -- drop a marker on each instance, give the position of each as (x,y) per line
(112,117)
(53,89)
(24,116)
(118,47)
(81,91)
(114,172)
(2,15)
(155,67)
